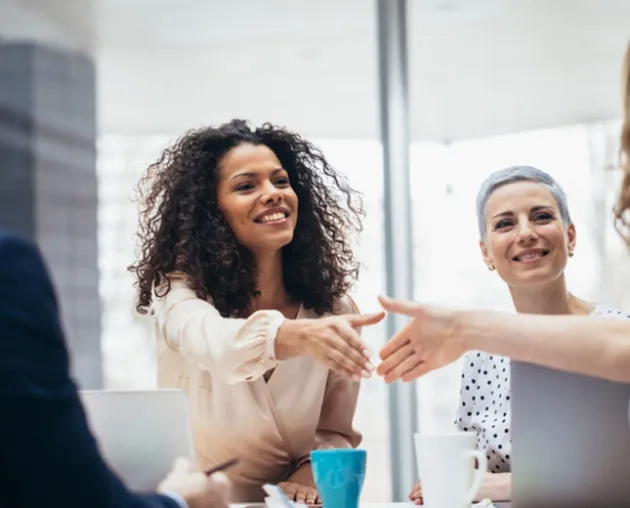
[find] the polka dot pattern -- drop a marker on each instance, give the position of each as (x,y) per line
(484,406)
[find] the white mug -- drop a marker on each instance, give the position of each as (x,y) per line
(446,466)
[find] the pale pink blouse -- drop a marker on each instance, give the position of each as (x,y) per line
(220,363)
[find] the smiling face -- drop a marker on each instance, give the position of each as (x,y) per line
(256,198)
(526,240)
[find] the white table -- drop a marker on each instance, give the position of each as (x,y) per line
(363,505)
(366,505)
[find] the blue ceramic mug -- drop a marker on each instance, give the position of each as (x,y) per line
(339,476)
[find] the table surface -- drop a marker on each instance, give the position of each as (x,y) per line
(366,505)
(363,505)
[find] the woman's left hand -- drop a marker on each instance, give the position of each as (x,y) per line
(299,493)
(300,486)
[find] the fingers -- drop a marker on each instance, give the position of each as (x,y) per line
(340,346)
(312,497)
(359,320)
(408,360)
(352,339)
(393,360)
(289,489)
(416,494)
(349,351)
(416,491)
(304,494)
(396,342)
(399,306)
(300,495)
(419,371)
(342,364)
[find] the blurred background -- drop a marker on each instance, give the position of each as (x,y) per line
(92,90)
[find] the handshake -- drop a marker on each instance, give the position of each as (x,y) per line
(427,342)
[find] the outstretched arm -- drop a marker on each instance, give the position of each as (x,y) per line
(594,346)
(435,337)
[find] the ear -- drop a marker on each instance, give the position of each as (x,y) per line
(572,238)
(486,257)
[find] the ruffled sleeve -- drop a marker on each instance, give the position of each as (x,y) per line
(232,350)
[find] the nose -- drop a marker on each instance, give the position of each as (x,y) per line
(270,195)
(526,233)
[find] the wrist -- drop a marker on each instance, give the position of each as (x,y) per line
(304,461)
(290,339)
(464,330)
(303,474)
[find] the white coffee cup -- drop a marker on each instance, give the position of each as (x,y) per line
(446,466)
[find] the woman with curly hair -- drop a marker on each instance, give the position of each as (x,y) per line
(597,347)
(245,267)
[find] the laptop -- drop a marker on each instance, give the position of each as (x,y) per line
(570,440)
(140,433)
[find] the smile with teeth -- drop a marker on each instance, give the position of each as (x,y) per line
(533,255)
(272,217)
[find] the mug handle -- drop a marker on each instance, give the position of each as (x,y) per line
(482,464)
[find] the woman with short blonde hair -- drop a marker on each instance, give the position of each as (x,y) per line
(598,347)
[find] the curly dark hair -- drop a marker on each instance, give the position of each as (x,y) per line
(182,228)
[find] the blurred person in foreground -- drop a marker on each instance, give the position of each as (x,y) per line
(48,455)
(527,237)
(245,269)
(588,345)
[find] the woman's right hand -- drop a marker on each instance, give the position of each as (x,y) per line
(415,496)
(197,489)
(333,340)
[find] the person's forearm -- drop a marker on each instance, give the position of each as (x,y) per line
(594,346)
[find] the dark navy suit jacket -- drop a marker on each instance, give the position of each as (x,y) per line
(48,457)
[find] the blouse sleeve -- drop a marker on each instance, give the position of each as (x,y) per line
(232,350)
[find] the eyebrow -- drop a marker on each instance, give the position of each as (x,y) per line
(510,214)
(251,174)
